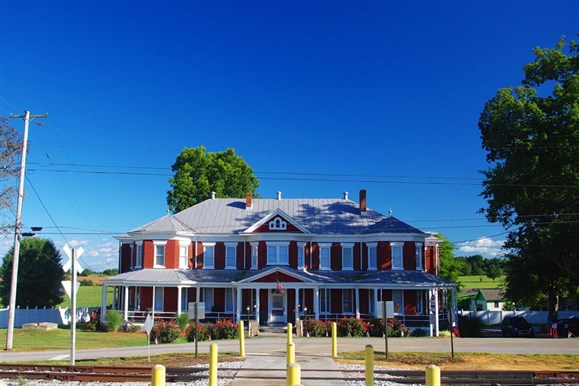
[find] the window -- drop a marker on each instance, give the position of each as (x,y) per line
(325,301)
(324,256)
(347,257)
(419,256)
(230,256)
(420,303)
(184,299)
(159,292)
(183,255)
(208,299)
(277,225)
(301,255)
(398,299)
(372,261)
(397,255)
(208,256)
(139,262)
(277,253)
(348,301)
(229,300)
(159,255)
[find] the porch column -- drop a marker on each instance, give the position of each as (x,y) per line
(375,290)
(238,305)
(103,302)
(317,303)
(357,291)
(198,294)
(430,311)
(126,305)
(153,304)
(257,305)
(179,308)
(297,305)
(436,322)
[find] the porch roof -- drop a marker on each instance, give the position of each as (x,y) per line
(187,277)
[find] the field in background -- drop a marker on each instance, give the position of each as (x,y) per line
(480,281)
(89,296)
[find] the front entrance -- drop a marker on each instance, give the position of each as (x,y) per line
(278,307)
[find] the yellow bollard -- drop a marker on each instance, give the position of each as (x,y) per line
(158,376)
(432,375)
(369,354)
(334,340)
(213,364)
(289,333)
(241,339)
(291,353)
(294,376)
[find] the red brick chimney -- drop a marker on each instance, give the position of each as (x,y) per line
(363,200)
(248,200)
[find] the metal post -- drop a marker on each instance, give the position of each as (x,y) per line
(73,307)
(17,229)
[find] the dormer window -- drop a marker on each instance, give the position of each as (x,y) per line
(277,225)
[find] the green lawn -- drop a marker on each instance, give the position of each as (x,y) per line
(88,296)
(480,281)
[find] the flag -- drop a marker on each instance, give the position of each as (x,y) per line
(279,287)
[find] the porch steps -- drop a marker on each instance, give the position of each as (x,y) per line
(275,328)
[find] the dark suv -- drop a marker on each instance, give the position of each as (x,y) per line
(517,326)
(568,327)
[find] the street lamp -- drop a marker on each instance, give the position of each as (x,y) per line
(248,327)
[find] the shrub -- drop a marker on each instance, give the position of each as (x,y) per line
(182,321)
(444,333)
(419,332)
(352,327)
(395,328)
(225,329)
(204,332)
(113,321)
(470,327)
(315,328)
(164,332)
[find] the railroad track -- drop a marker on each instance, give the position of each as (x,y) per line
(143,374)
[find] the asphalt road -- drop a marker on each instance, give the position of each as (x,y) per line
(322,347)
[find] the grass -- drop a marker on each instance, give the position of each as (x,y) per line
(480,281)
(88,296)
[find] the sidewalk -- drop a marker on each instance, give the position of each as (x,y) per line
(269,369)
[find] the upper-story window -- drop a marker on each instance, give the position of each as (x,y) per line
(372,257)
(230,255)
(347,257)
(397,256)
(208,256)
(183,255)
(325,250)
(419,257)
(277,254)
(277,225)
(301,255)
(160,255)
(139,257)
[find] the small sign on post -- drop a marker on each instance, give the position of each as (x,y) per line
(196,311)
(385,309)
(147,327)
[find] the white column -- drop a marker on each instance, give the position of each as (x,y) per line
(375,301)
(153,304)
(126,304)
(103,303)
(238,305)
(297,305)
(198,294)
(436,312)
(357,291)
(430,312)
(317,303)
(179,300)
(257,305)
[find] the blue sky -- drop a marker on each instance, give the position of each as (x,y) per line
(318,97)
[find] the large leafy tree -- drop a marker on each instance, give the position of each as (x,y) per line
(10,148)
(531,135)
(39,274)
(198,173)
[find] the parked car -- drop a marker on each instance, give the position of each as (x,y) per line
(516,326)
(568,327)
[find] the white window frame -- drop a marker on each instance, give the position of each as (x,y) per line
(348,265)
(350,293)
(372,256)
(277,225)
(301,255)
(229,248)
(397,259)
(208,247)
(419,257)
(325,248)
(325,301)
(157,257)
(183,254)
(277,257)
(139,256)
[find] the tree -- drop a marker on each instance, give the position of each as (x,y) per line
(10,149)
(39,274)
(450,268)
(531,135)
(198,173)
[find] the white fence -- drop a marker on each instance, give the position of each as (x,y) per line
(38,315)
(496,317)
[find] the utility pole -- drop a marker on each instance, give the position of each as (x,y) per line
(17,228)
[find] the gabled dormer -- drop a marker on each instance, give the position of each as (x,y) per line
(277,221)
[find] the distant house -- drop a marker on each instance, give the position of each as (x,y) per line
(278,260)
(483,299)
